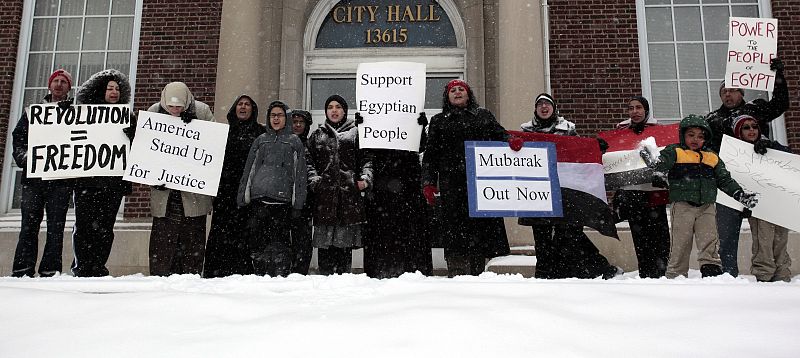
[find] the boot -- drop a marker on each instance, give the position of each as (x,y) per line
(710,270)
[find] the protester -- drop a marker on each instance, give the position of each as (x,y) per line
(40,196)
(97,199)
(396,240)
(338,174)
(301,229)
(693,174)
(227,251)
(733,105)
(177,239)
(562,248)
(770,261)
(467,241)
(273,186)
(644,206)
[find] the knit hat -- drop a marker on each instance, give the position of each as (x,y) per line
(544,97)
(62,73)
(176,94)
(341,101)
(737,123)
(456,82)
(722,86)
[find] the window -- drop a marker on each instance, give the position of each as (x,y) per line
(683,44)
(81,36)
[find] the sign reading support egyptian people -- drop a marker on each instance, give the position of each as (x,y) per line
(181,156)
(505,183)
(390,95)
(77,141)
(752,43)
(775,176)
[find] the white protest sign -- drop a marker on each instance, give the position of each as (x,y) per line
(502,182)
(774,176)
(182,156)
(752,43)
(390,95)
(77,141)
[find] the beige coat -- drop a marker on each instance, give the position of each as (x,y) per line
(193,204)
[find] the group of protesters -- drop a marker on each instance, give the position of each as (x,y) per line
(287,188)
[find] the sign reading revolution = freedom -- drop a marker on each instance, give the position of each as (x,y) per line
(505,183)
(77,141)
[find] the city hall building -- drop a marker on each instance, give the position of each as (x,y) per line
(591,55)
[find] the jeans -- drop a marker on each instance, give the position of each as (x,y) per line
(729,222)
(36,200)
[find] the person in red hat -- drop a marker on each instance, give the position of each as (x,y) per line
(40,195)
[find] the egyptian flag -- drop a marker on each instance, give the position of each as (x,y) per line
(622,164)
(580,173)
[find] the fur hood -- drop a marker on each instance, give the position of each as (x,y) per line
(93,91)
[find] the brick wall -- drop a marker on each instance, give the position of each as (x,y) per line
(788,14)
(179,41)
(594,61)
(10,22)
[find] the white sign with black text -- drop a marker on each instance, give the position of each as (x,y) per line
(77,141)
(390,96)
(181,156)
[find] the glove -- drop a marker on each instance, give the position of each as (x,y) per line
(359,118)
(746,213)
(761,145)
(647,157)
(776,65)
(660,180)
(160,187)
(422,119)
(187,117)
(130,132)
(603,145)
(430,192)
(65,103)
(749,200)
(637,128)
(515,143)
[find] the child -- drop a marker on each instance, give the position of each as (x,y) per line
(693,173)
(770,261)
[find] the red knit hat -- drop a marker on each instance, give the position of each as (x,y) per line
(739,121)
(456,82)
(62,73)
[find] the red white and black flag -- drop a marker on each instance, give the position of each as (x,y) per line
(580,174)
(622,164)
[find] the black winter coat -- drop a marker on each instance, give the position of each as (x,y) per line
(334,166)
(444,163)
(763,111)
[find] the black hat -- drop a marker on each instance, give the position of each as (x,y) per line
(338,99)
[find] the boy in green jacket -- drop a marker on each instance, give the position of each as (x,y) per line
(692,172)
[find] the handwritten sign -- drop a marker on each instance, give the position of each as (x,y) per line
(622,164)
(752,43)
(774,176)
(77,141)
(390,96)
(505,183)
(181,156)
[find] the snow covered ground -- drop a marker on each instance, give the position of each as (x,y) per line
(412,316)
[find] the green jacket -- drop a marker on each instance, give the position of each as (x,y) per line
(694,176)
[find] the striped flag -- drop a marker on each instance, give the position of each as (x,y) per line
(580,173)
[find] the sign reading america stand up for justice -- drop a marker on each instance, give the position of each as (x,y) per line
(505,183)
(182,156)
(77,141)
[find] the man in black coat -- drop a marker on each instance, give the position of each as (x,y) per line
(226,249)
(40,195)
(301,228)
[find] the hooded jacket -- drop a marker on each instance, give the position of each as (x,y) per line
(193,204)
(335,165)
(241,135)
(308,121)
(555,124)
(275,170)
(694,176)
(93,91)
